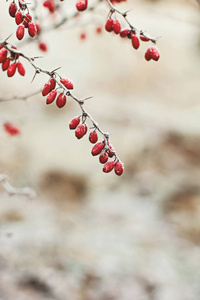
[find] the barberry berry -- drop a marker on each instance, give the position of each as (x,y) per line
(6,64)
(81,5)
(67,83)
(93,137)
(135,42)
(119,168)
(116,26)
(108,167)
(103,157)
(18,17)
(61,100)
(97,148)
(109,25)
(32,29)
(20,68)
(80,131)
(20,32)
(12,9)
(46,89)
(43,46)
(11,70)
(74,123)
(51,97)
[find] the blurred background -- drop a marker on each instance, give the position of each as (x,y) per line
(89,235)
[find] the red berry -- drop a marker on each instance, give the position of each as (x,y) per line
(67,83)
(18,17)
(10,129)
(109,25)
(32,29)
(110,154)
(20,69)
(46,89)
(81,5)
(80,131)
(50,5)
(124,33)
(3,55)
(103,158)
(51,97)
(43,47)
(52,83)
(93,137)
(74,123)
(135,42)
(86,128)
(147,55)
(11,70)
(12,9)
(119,168)
(27,19)
(20,32)
(61,100)
(38,28)
(116,26)
(6,64)
(108,167)
(83,36)
(99,30)
(144,38)
(154,53)
(97,148)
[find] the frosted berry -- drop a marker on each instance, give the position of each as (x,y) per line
(81,5)
(80,131)
(119,168)
(6,64)
(109,25)
(27,19)
(103,158)
(61,100)
(116,26)
(67,83)
(135,42)
(32,29)
(46,89)
(51,97)
(12,9)
(20,32)
(74,123)
(11,70)
(20,69)
(3,55)
(18,17)
(108,167)
(97,148)
(93,137)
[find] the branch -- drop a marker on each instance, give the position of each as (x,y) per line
(26,191)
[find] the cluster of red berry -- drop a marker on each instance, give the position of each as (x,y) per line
(49,89)
(6,62)
(24,20)
(104,149)
(113,25)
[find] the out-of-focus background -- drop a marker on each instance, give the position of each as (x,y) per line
(94,236)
